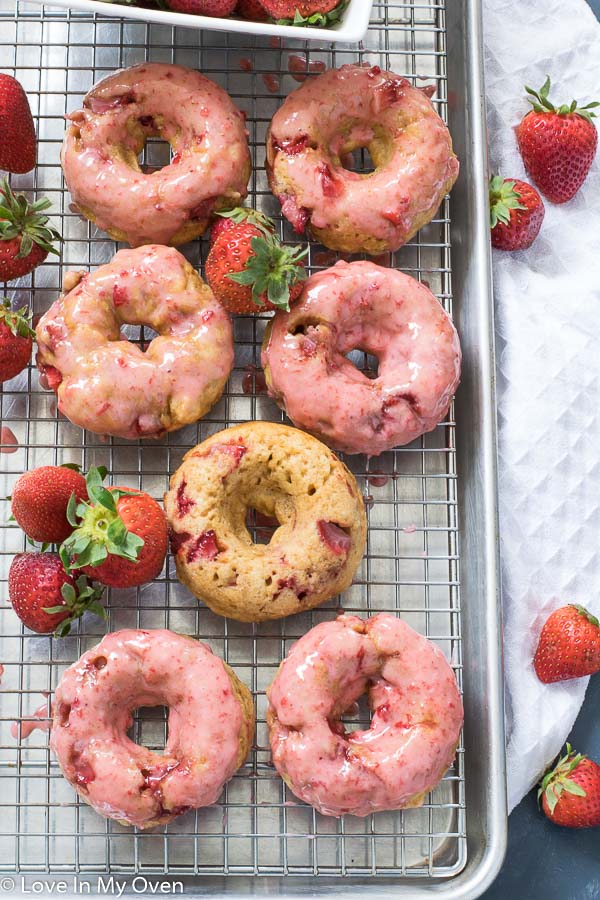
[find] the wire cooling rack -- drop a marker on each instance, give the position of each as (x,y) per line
(411,566)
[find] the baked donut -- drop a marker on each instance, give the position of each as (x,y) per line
(210,727)
(329,117)
(111,386)
(209,171)
(363,306)
(417,715)
(281,473)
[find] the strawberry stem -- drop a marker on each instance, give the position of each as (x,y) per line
(79,600)
(541,103)
(18,321)
(503,198)
(271,271)
(556,780)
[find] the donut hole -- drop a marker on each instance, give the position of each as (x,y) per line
(150,727)
(366,363)
(156,153)
(140,335)
(358,160)
(358,715)
(261,527)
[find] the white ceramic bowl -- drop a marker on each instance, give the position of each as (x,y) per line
(353,26)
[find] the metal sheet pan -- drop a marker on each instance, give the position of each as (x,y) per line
(432,549)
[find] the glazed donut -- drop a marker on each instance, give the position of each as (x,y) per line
(417,715)
(84,357)
(363,306)
(282,473)
(210,728)
(329,117)
(209,171)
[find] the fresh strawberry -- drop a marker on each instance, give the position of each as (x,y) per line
(17,134)
(40,499)
(570,792)
(120,536)
(25,236)
(217,8)
(251,10)
(516,213)
(569,645)
(15,340)
(226,221)
(46,597)
(305,12)
(247,268)
(558,144)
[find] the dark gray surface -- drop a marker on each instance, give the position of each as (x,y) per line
(544,861)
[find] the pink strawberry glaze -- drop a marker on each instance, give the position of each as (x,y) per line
(386,313)
(417,716)
(178,377)
(352,107)
(39,720)
(194,114)
(93,706)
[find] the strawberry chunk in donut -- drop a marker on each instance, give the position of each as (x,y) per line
(110,385)
(211,724)
(417,715)
(322,122)
(209,170)
(363,306)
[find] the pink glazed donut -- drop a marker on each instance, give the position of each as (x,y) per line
(210,728)
(209,171)
(329,117)
(417,715)
(363,306)
(173,382)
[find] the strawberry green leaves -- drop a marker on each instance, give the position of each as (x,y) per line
(272,270)
(556,780)
(99,530)
(84,597)
(18,321)
(19,218)
(541,103)
(318,20)
(503,198)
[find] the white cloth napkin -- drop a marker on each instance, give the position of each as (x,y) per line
(547,303)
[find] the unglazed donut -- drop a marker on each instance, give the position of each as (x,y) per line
(327,118)
(282,473)
(210,728)
(382,311)
(110,385)
(417,715)
(209,171)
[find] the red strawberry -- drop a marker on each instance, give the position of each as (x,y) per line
(120,536)
(570,793)
(305,12)
(558,145)
(17,134)
(25,236)
(40,499)
(15,340)
(226,221)
(247,268)
(569,645)
(45,597)
(217,8)
(252,10)
(516,213)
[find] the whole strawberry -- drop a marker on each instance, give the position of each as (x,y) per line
(15,340)
(570,792)
(216,8)
(119,537)
(569,645)
(558,144)
(17,134)
(25,236)
(251,10)
(516,213)
(304,12)
(248,269)
(40,499)
(46,597)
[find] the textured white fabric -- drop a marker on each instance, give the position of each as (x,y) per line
(547,303)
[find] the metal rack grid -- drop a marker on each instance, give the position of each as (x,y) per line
(411,566)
